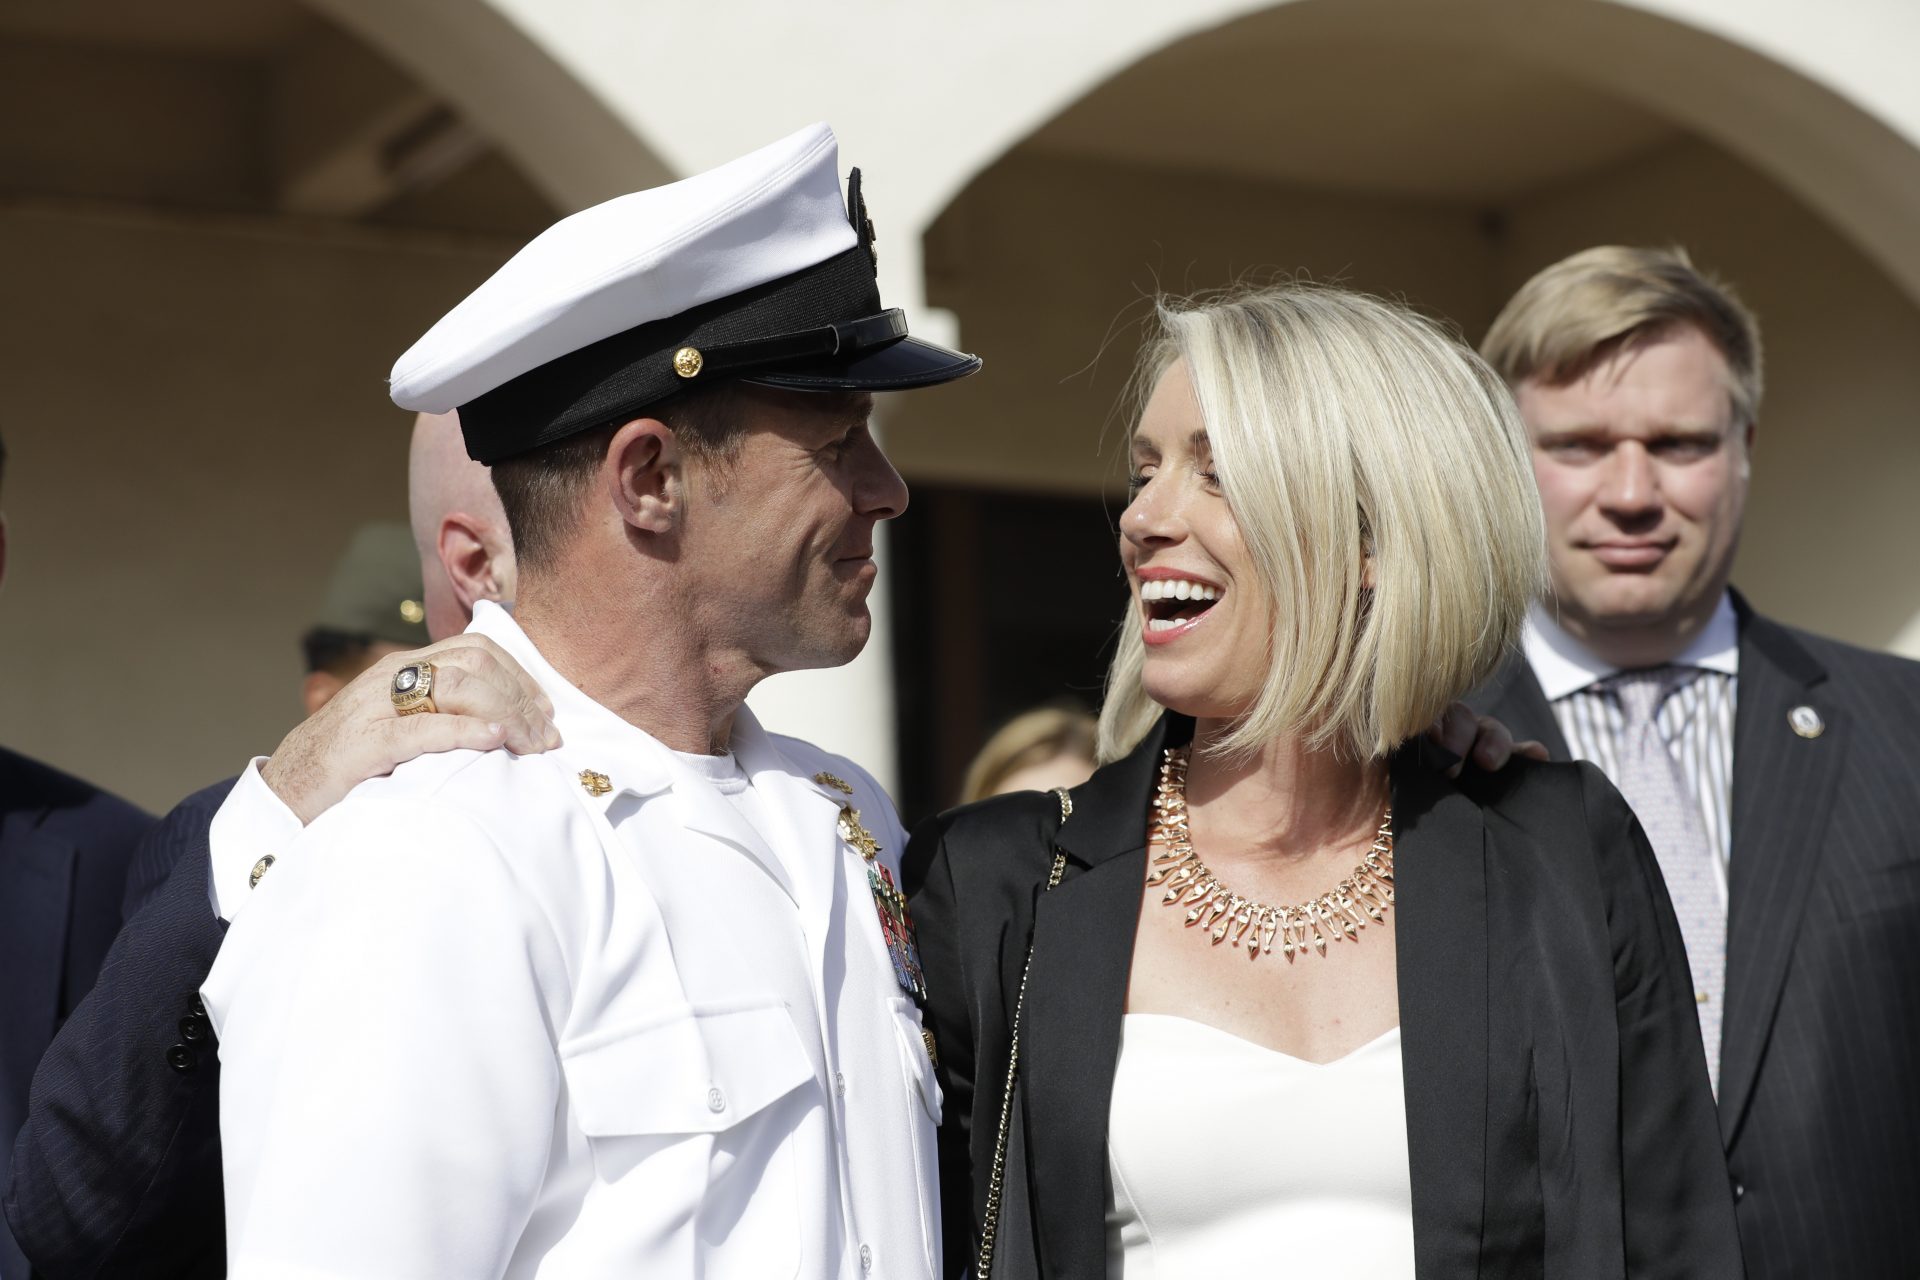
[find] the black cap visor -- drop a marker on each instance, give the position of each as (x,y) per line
(899,365)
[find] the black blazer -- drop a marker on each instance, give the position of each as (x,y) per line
(1559,1117)
(64,850)
(116,1171)
(1820,1043)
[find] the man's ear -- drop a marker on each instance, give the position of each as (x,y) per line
(642,471)
(469,558)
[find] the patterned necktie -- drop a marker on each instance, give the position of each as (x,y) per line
(1650,780)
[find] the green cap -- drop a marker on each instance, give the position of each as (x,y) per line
(376,588)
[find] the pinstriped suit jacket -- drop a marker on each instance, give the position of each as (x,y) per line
(116,1171)
(64,849)
(1820,1060)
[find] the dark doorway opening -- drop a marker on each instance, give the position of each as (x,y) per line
(1001,602)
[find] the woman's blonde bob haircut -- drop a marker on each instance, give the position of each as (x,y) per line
(1380,478)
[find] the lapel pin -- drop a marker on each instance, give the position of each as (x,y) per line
(841,785)
(595,784)
(259,869)
(1806,722)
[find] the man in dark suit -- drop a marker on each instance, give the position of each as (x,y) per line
(116,1171)
(1776,772)
(64,849)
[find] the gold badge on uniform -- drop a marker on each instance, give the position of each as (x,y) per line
(896,926)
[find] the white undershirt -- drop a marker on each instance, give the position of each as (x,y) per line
(724,774)
(1228,1158)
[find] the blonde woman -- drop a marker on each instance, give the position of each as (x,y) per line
(1037,750)
(1289,1002)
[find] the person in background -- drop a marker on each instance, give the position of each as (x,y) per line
(65,846)
(1037,750)
(374,608)
(1268,994)
(117,1168)
(1776,771)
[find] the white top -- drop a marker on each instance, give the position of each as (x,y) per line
(477,1022)
(1231,1159)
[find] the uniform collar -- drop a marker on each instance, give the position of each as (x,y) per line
(1565,666)
(594,741)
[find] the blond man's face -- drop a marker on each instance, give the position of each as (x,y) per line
(1643,473)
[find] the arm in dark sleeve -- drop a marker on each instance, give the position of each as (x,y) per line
(936,925)
(1677,1202)
(117,1168)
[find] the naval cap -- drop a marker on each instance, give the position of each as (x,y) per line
(753,271)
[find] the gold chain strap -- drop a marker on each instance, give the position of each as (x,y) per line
(983,1267)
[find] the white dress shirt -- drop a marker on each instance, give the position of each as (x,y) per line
(1696,721)
(477,1021)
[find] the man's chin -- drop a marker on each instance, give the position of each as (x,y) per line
(1625,603)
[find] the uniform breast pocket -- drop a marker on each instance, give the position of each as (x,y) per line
(692,1119)
(922,1118)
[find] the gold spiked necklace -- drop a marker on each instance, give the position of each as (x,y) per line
(1339,913)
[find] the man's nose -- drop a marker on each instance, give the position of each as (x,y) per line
(879,493)
(1631,486)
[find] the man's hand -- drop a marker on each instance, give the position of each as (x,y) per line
(485,700)
(1482,739)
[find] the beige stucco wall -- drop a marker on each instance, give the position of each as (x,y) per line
(1050,262)
(195,416)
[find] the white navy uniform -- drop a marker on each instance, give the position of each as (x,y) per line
(477,1021)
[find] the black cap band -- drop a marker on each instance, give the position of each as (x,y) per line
(810,314)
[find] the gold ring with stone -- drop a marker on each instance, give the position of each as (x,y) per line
(412,690)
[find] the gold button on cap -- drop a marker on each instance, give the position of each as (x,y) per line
(1806,722)
(687,362)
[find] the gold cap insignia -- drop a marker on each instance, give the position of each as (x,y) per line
(687,362)
(412,611)
(596,784)
(841,785)
(857,835)
(259,869)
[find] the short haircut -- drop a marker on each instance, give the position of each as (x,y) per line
(1030,738)
(1581,310)
(1352,437)
(542,491)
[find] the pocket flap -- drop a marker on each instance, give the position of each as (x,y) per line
(916,1057)
(688,1070)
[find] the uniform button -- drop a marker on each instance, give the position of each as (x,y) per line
(195,1005)
(839,1084)
(181,1058)
(716,1101)
(866,1257)
(192,1029)
(1739,1192)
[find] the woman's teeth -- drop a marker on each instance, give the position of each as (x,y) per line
(1177,589)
